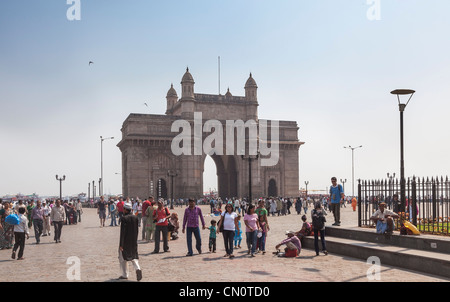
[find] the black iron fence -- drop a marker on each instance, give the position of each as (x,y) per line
(426,204)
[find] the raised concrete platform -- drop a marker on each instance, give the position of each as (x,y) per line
(423,253)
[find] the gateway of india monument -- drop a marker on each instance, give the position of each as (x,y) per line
(150,167)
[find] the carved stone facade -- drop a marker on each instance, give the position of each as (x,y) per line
(150,167)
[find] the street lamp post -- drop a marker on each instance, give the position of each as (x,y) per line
(60,179)
(391,187)
(353,167)
(93,190)
(100,188)
(401,108)
(306,184)
(171,174)
(343,181)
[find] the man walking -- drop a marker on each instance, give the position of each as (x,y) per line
(190,220)
(79,208)
(101,210)
(47,210)
(120,205)
(128,247)
(336,196)
(37,214)
(58,216)
(20,231)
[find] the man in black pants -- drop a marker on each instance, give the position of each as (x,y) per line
(37,215)
(20,230)
(58,216)
(128,246)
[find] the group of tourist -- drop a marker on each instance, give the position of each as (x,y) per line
(39,216)
(158,223)
(229,225)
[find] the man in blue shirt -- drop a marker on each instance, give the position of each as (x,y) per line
(336,196)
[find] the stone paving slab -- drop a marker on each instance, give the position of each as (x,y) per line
(92,251)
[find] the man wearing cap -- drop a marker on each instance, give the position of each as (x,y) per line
(128,247)
(292,243)
(383,218)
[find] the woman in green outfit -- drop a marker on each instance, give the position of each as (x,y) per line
(6,229)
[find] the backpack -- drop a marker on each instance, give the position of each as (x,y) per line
(318,220)
(12,219)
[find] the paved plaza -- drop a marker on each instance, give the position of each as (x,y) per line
(89,253)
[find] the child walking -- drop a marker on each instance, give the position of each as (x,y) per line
(238,235)
(212,236)
(262,235)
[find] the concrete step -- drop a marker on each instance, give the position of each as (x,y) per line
(428,262)
(432,243)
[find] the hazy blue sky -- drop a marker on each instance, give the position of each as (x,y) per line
(321,63)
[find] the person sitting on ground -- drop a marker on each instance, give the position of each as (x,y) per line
(383,219)
(306,229)
(174,226)
(293,245)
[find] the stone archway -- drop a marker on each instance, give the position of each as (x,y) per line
(272,188)
(184,135)
(227,175)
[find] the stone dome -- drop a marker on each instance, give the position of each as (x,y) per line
(172,92)
(187,78)
(250,82)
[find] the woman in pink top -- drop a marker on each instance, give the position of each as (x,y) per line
(252,228)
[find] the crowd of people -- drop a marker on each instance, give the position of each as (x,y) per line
(235,217)
(153,219)
(16,220)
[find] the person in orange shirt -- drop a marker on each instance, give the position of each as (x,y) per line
(354,202)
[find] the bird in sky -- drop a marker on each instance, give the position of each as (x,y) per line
(145,104)
(90,62)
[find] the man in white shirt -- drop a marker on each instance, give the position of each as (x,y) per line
(47,210)
(237,205)
(383,218)
(79,208)
(58,216)
(20,230)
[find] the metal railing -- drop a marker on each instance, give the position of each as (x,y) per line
(426,204)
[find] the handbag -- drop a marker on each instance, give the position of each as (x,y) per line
(12,219)
(222,223)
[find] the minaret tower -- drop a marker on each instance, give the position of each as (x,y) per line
(171,98)
(187,86)
(251,90)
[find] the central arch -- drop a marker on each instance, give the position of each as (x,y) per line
(272,188)
(227,175)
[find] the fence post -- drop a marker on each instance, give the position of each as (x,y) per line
(414,201)
(359,203)
(433,202)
